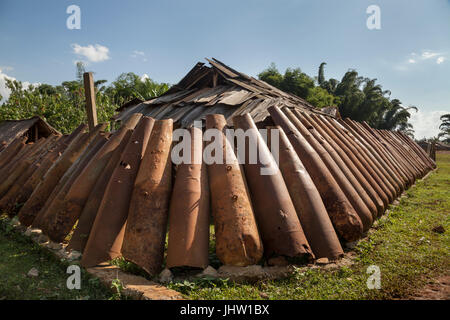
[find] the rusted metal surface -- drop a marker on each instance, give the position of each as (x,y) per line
(391,155)
(40,195)
(37,178)
(10,199)
(397,180)
(61,186)
(30,184)
(419,151)
(275,213)
(87,216)
(368,208)
(68,212)
(407,154)
(410,159)
(106,236)
(237,239)
(365,157)
(189,211)
(55,221)
(310,209)
(344,218)
(11,170)
(12,159)
(388,154)
(351,148)
(407,151)
(352,165)
(407,166)
(372,188)
(146,226)
(19,164)
(85,144)
(346,187)
(11,150)
(68,163)
(377,160)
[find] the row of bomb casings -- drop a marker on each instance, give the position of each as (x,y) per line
(119,189)
(24,164)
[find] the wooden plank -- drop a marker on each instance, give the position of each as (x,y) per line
(223,69)
(245,86)
(236,97)
(210,95)
(91,108)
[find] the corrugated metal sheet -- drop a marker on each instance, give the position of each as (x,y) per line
(216,89)
(34,128)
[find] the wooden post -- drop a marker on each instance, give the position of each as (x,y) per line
(89,92)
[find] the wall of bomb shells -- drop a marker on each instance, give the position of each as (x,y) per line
(119,194)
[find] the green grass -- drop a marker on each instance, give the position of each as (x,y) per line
(402,245)
(18,254)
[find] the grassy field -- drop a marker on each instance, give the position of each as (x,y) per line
(18,254)
(402,245)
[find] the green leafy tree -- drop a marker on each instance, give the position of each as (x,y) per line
(320,98)
(63,106)
(129,86)
(357,98)
(321,76)
(297,82)
(272,76)
(293,81)
(362,99)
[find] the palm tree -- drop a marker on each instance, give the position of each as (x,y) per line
(396,118)
(445,128)
(321,76)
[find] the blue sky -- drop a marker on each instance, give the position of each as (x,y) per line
(409,55)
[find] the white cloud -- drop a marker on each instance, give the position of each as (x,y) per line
(426,123)
(440,60)
(139,54)
(144,77)
(6,68)
(97,53)
(414,58)
(4,91)
(429,54)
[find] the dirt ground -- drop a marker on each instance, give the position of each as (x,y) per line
(438,289)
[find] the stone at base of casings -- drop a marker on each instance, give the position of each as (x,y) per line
(209,272)
(248,274)
(254,273)
(165,276)
(135,287)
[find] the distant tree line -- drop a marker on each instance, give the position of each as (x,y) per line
(356,97)
(63,106)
